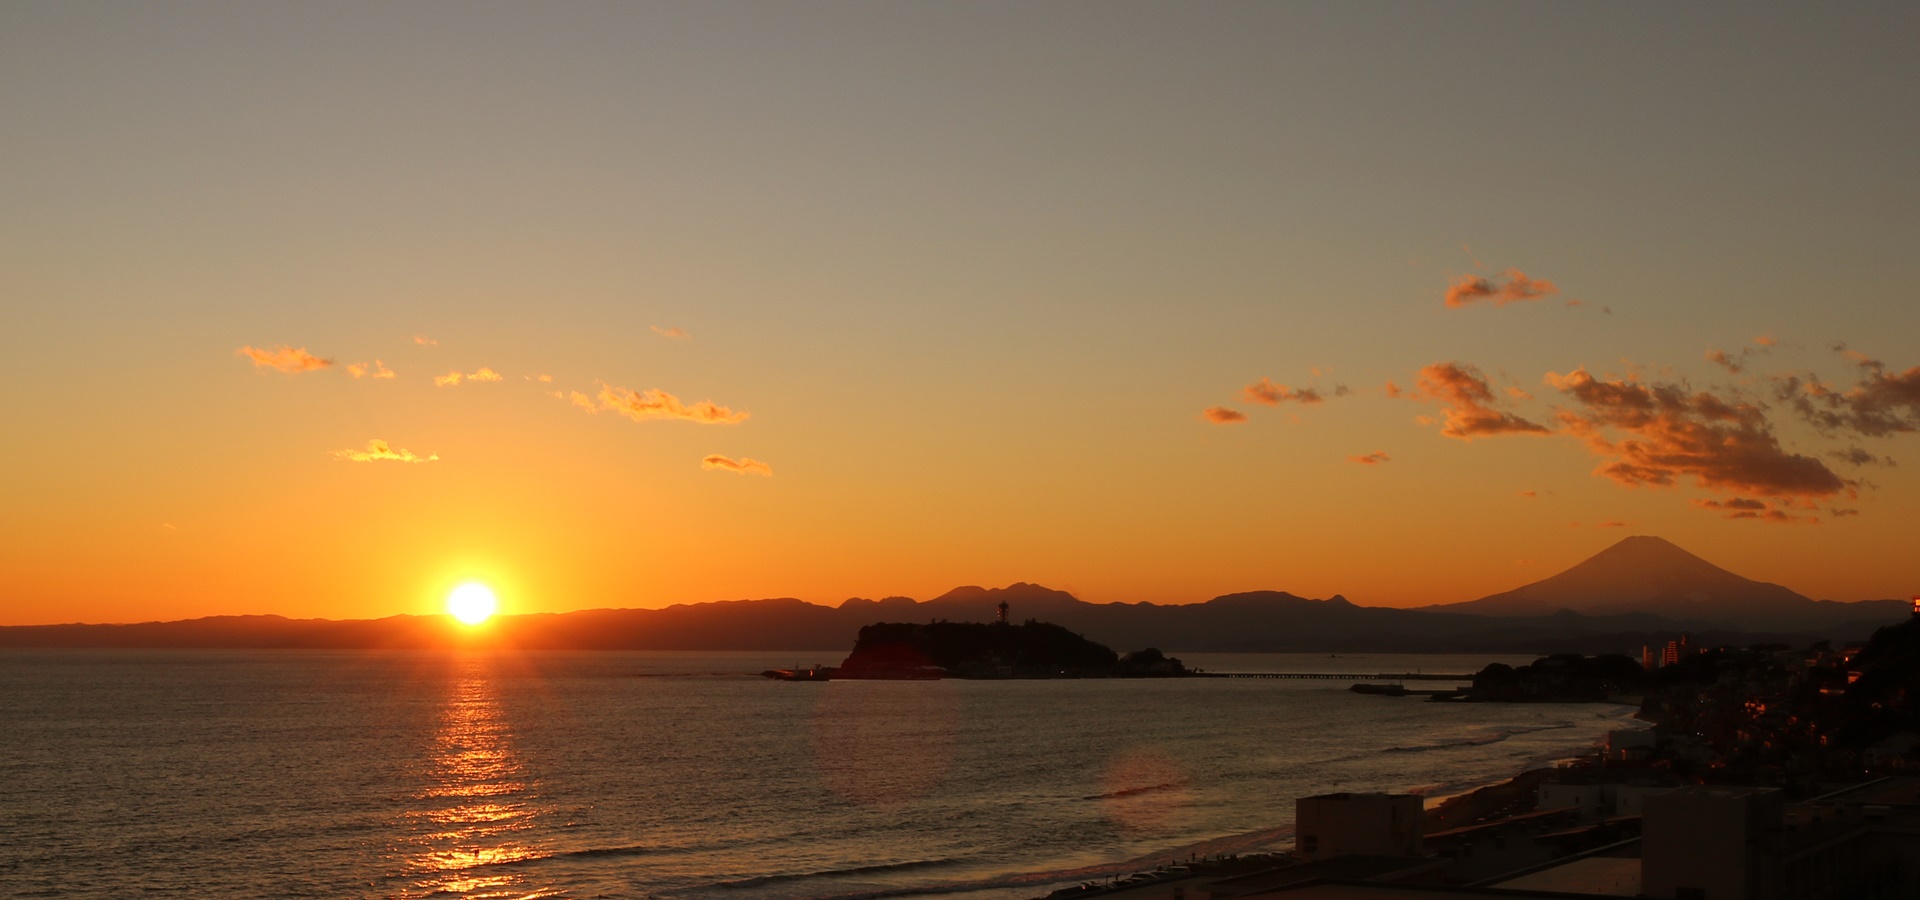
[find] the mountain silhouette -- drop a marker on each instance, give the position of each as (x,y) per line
(1640,591)
(1646,574)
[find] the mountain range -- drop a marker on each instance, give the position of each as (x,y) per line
(1641,591)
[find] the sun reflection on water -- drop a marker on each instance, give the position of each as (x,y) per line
(474,813)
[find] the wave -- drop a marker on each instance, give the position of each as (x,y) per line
(1477,741)
(762,880)
(1135,791)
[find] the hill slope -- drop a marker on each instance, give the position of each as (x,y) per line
(1644,574)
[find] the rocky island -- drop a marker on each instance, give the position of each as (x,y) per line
(983,650)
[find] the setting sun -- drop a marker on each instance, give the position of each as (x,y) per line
(472,603)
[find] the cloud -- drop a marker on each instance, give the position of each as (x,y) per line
(1265,391)
(543,379)
(1469,402)
(1613,523)
(1665,433)
(1765,341)
(1510,286)
(1734,504)
(740,466)
(381,451)
(1736,363)
(671,333)
(1530,494)
(1372,459)
(377,370)
(1761,510)
(1856,456)
(581,400)
(1220,415)
(453,379)
(1878,405)
(425,341)
(657,404)
(284,358)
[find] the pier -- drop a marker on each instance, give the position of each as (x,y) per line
(1345,676)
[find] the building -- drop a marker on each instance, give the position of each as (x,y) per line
(1347,824)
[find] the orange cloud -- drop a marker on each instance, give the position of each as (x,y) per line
(1510,286)
(381,451)
(453,379)
(1666,433)
(377,370)
(1878,405)
(658,404)
(1265,391)
(1372,459)
(1720,358)
(1530,494)
(1612,523)
(672,333)
(1469,402)
(740,466)
(284,358)
(425,341)
(1220,415)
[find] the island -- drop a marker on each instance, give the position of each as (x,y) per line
(985,650)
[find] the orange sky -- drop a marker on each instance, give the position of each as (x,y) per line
(320,313)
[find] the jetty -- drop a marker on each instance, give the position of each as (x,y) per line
(1345,676)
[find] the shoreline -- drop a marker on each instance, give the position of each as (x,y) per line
(1489,801)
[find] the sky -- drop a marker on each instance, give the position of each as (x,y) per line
(321,309)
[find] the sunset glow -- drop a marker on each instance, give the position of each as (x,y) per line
(472,603)
(1146,305)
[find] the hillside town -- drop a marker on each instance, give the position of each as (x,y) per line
(1768,773)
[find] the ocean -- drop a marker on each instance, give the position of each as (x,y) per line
(682,775)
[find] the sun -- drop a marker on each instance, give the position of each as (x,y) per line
(472,603)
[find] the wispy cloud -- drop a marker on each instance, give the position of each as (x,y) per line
(1271,394)
(453,379)
(381,451)
(377,369)
(1510,286)
(1858,456)
(284,358)
(743,466)
(642,406)
(1761,510)
(1471,408)
(1372,459)
(1220,415)
(1659,433)
(1880,403)
(425,341)
(672,333)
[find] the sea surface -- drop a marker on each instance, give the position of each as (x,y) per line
(682,775)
